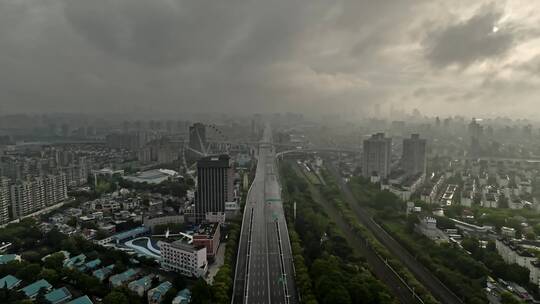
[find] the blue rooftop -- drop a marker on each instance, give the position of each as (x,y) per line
(81,300)
(58,295)
(184,296)
(104,272)
(6,258)
(93,264)
(75,261)
(33,289)
(157,293)
(143,282)
(121,278)
(9,281)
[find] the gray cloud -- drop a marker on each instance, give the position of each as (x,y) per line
(174,56)
(469,41)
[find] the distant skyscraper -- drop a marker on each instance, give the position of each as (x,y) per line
(214,185)
(197,140)
(377,156)
(475,132)
(475,129)
(414,155)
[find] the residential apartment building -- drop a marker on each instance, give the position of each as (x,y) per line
(28,196)
(414,155)
(377,156)
(5,200)
(513,253)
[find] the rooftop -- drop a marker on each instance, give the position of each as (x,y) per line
(6,258)
(184,295)
(75,261)
(81,300)
(131,233)
(160,290)
(206,230)
(9,282)
(102,273)
(124,276)
(58,295)
(156,176)
(143,282)
(93,264)
(32,289)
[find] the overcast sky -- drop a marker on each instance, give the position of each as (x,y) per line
(171,56)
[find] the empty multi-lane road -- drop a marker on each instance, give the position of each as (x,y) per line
(264,269)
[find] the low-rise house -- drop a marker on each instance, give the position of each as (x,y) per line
(32,290)
(81,300)
(183,297)
(92,264)
(6,258)
(102,273)
(155,295)
(59,295)
(9,282)
(141,285)
(120,279)
(75,262)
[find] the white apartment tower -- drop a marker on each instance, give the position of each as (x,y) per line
(4,200)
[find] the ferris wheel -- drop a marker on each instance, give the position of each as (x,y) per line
(207,139)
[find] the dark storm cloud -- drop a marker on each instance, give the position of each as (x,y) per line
(172,56)
(157,32)
(469,41)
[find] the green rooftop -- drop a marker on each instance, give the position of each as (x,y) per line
(58,295)
(6,258)
(104,272)
(9,281)
(157,293)
(93,264)
(81,300)
(75,261)
(142,282)
(33,289)
(183,296)
(121,278)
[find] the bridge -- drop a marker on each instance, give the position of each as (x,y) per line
(264,270)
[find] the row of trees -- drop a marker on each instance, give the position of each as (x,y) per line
(336,273)
(370,194)
(223,281)
(461,273)
(495,263)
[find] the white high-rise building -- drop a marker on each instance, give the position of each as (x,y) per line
(4,200)
(377,156)
(33,195)
(55,188)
